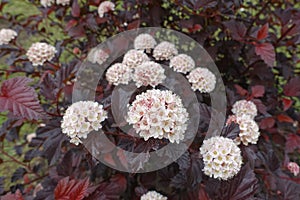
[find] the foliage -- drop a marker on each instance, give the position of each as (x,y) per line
(255,46)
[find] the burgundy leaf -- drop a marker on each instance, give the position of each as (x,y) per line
(71,189)
(16,196)
(292,143)
(241,91)
(292,88)
(258,90)
(20,99)
(75,9)
(266,52)
(237,29)
(284,118)
(263,32)
(266,123)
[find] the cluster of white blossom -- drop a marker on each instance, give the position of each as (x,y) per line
(7,35)
(153,195)
(97,56)
(81,118)
(105,7)
(164,51)
(47,3)
(63,2)
(293,168)
(118,74)
(145,42)
(244,107)
(182,63)
(149,73)
(40,52)
(244,113)
(158,114)
(222,157)
(133,58)
(202,79)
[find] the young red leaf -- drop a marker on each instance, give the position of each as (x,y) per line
(258,90)
(287,103)
(284,118)
(71,189)
(292,88)
(292,143)
(16,196)
(241,91)
(20,99)
(266,52)
(75,9)
(263,32)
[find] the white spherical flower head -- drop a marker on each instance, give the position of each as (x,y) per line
(105,7)
(97,56)
(158,114)
(63,2)
(81,118)
(40,52)
(153,195)
(202,79)
(47,3)
(133,58)
(182,63)
(149,73)
(244,107)
(145,42)
(118,74)
(249,130)
(7,35)
(164,51)
(222,158)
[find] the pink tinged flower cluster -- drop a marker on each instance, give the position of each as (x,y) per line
(164,51)
(47,3)
(202,79)
(81,118)
(118,74)
(158,114)
(244,107)
(40,52)
(105,7)
(133,58)
(222,158)
(98,56)
(7,35)
(182,63)
(148,73)
(144,42)
(293,168)
(153,195)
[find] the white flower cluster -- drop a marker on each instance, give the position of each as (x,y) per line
(244,113)
(40,52)
(164,51)
(244,107)
(153,195)
(148,73)
(182,63)
(105,7)
(7,35)
(249,130)
(97,56)
(202,79)
(118,74)
(158,114)
(222,157)
(144,41)
(47,3)
(81,118)
(63,2)
(133,58)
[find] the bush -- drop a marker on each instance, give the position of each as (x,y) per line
(255,45)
